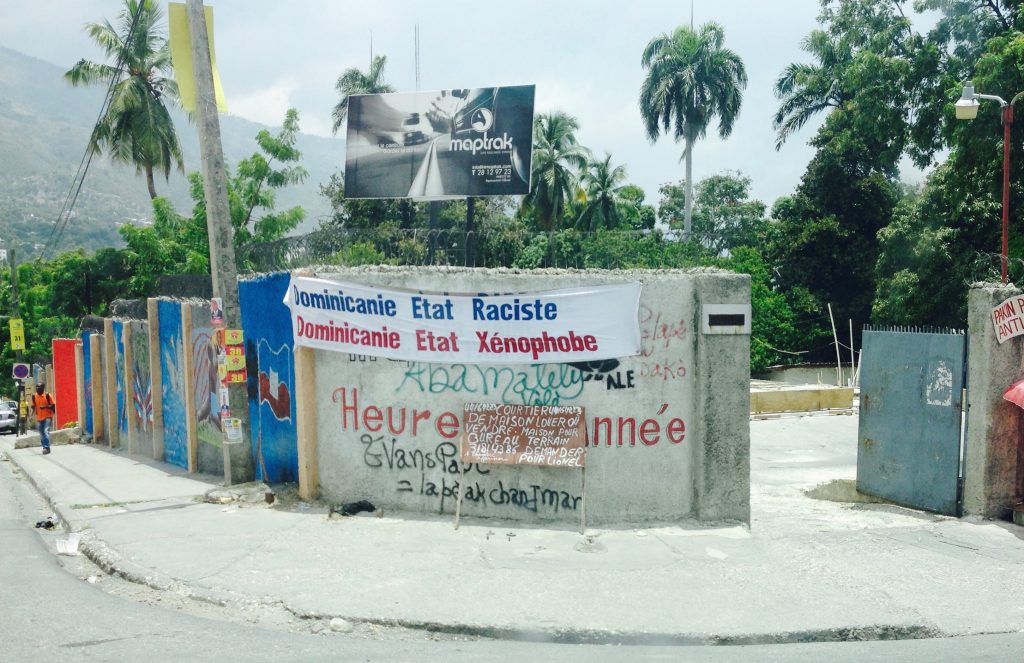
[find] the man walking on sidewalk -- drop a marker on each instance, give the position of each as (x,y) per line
(42,404)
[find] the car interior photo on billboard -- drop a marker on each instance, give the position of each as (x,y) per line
(448,143)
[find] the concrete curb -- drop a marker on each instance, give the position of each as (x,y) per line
(113,563)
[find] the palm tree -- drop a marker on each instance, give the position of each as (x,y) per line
(136,127)
(691,79)
(805,90)
(353,81)
(557,157)
(604,187)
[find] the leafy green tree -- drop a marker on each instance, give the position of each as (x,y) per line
(724,216)
(557,160)
(636,213)
(604,186)
(256,180)
(354,81)
(136,127)
(691,79)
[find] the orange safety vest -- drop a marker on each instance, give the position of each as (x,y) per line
(43,405)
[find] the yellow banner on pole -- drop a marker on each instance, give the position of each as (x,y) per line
(17,334)
(181,57)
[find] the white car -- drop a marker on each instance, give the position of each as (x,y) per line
(8,419)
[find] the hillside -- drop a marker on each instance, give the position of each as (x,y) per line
(44,127)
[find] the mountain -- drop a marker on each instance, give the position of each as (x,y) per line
(45,125)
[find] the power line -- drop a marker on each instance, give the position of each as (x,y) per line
(60,224)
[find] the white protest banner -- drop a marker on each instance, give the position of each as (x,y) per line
(575,324)
(1008,318)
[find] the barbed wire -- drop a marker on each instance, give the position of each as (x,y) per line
(987,268)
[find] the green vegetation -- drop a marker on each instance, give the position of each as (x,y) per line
(850,237)
(691,79)
(136,127)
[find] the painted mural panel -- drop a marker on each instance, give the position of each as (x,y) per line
(122,412)
(140,411)
(268,348)
(204,383)
(388,430)
(65,378)
(87,381)
(172,378)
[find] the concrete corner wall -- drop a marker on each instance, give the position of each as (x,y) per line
(722,377)
(694,385)
(993,457)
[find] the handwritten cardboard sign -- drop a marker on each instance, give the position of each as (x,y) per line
(547,435)
(1008,318)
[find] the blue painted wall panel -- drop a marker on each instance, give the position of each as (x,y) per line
(267,327)
(172,377)
(87,381)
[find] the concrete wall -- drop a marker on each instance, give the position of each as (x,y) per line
(140,410)
(268,348)
(172,382)
(808,374)
(120,386)
(87,385)
(65,381)
(993,456)
(682,378)
(209,438)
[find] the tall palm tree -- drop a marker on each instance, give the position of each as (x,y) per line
(354,81)
(604,187)
(557,158)
(136,127)
(691,79)
(804,90)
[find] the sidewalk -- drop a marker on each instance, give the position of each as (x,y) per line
(806,570)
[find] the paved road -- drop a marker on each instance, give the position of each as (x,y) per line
(49,613)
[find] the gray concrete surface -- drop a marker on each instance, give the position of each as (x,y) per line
(806,569)
(681,374)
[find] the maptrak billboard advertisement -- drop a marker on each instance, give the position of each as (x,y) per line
(449,143)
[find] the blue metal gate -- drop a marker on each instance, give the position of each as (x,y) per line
(911,402)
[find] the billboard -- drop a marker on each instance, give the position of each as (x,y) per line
(449,143)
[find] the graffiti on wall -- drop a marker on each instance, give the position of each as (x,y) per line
(266,322)
(122,413)
(416,472)
(275,380)
(141,407)
(172,378)
(204,393)
(539,384)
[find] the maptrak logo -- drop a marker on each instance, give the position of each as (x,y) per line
(474,145)
(482,120)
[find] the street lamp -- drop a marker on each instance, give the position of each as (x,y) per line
(967,109)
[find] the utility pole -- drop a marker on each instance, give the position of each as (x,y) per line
(237,456)
(19,356)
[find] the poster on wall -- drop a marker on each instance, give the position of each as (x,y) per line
(568,325)
(1008,318)
(448,143)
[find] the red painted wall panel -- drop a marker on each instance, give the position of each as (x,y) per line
(65,378)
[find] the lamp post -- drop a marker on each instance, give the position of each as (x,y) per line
(967,109)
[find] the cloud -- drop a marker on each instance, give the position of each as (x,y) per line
(266,105)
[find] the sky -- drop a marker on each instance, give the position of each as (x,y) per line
(583,56)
